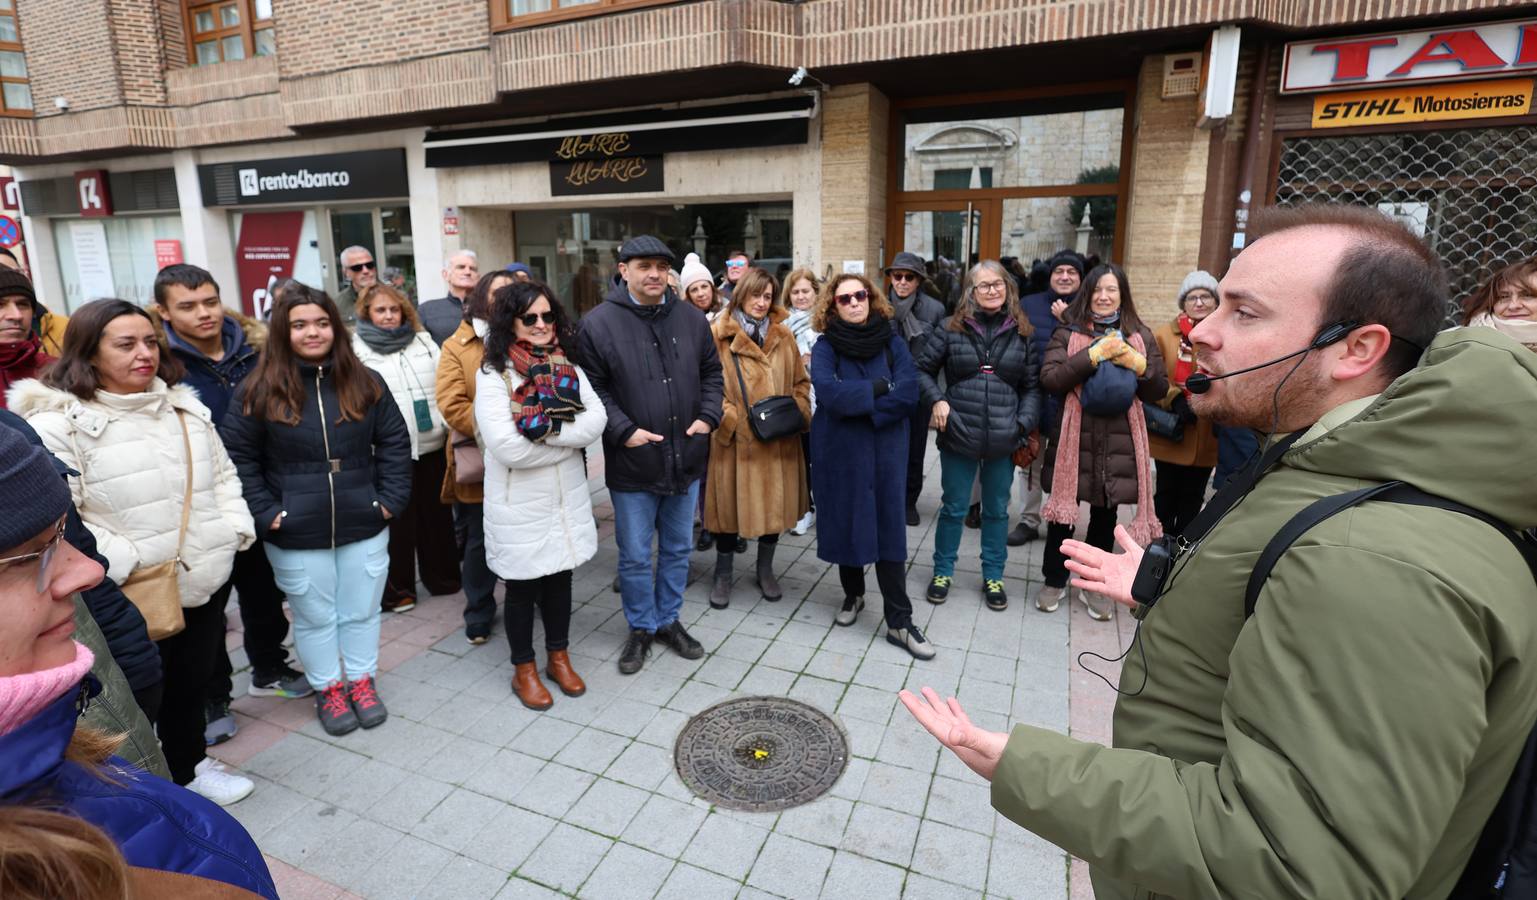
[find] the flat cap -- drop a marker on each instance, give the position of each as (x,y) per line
(644,246)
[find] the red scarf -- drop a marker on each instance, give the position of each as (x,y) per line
(1184,362)
(550,392)
(19,361)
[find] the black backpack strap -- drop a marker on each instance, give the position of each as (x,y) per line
(1391,492)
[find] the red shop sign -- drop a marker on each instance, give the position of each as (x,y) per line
(264,254)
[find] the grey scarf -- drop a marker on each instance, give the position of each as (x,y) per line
(385,340)
(908,324)
(755,328)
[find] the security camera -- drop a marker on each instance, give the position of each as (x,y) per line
(798,76)
(61,103)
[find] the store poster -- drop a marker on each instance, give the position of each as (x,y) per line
(264,255)
(93,264)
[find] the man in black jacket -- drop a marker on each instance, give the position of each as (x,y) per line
(653,361)
(916,314)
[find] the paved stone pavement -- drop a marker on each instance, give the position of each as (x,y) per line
(464,793)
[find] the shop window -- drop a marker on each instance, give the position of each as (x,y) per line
(1466,191)
(1019,150)
(15,88)
(110,257)
(229,29)
(506,14)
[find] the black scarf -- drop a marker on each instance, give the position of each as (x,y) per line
(858,342)
(386,340)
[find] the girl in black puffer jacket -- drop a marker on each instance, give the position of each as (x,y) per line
(987,410)
(325,461)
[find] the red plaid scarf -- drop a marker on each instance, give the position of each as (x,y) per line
(550,392)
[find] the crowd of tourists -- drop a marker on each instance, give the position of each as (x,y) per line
(350,458)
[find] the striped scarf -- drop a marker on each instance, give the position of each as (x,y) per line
(550,392)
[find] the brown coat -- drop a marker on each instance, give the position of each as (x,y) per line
(756,488)
(1107,460)
(462,353)
(1199,445)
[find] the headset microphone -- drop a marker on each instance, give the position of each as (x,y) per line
(1200,382)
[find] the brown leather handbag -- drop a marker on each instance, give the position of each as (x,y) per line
(156,590)
(1025,455)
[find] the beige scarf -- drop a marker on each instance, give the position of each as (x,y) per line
(1522,331)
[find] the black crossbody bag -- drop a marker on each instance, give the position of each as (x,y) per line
(773,417)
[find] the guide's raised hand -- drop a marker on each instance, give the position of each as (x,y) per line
(980,750)
(1105,573)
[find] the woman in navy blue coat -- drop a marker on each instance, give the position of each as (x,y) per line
(866,389)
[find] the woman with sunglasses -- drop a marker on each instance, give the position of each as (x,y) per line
(863,373)
(389,339)
(989,405)
(463,353)
(537,412)
(757,488)
(326,463)
(112,410)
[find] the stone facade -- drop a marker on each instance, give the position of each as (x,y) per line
(854,123)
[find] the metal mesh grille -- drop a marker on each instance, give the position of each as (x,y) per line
(1471,192)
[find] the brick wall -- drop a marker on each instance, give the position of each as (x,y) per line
(319,36)
(854,125)
(1168,190)
(136,36)
(69,54)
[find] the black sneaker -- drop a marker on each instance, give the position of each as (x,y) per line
(974,516)
(741,545)
(477,634)
(636,648)
(939,588)
(218,724)
(680,641)
(285,681)
(334,710)
(1022,535)
(705,541)
(366,703)
(993,595)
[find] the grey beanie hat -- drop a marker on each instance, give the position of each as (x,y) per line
(32,495)
(1198,279)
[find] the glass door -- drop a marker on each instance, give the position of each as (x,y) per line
(950,236)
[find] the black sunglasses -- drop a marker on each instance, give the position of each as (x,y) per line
(361,266)
(845,299)
(532,319)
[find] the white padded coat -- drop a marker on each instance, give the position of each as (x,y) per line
(538,511)
(411,374)
(128,450)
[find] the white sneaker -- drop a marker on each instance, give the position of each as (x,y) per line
(220,785)
(804,525)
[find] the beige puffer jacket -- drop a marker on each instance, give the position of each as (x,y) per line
(128,450)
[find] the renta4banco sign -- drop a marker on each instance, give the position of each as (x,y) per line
(362,175)
(1409,57)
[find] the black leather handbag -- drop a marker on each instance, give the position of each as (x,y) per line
(1165,423)
(773,417)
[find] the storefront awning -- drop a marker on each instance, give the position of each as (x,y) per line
(641,132)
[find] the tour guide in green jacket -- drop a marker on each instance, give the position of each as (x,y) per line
(1351,738)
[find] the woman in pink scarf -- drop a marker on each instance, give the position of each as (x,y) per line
(1104,458)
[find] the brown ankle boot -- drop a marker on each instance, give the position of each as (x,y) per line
(528,687)
(562,674)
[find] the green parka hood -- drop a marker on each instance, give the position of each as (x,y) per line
(1459,425)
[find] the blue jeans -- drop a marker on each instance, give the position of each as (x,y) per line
(652,600)
(956,475)
(334,594)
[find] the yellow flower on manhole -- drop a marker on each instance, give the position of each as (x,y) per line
(759,753)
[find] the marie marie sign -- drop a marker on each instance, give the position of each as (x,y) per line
(1409,57)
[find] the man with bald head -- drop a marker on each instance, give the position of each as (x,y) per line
(441,317)
(1350,733)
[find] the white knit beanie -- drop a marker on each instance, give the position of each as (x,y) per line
(693,270)
(1198,279)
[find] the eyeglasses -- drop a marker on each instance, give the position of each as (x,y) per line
(989,287)
(1199,297)
(904,276)
(45,556)
(361,266)
(532,319)
(735,263)
(858,296)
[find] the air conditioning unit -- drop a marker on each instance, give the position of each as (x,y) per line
(1181,75)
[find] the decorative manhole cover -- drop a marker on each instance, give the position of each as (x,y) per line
(761,754)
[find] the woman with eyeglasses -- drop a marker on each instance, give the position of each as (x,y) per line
(463,353)
(989,405)
(757,488)
(1102,362)
(1184,465)
(112,410)
(326,463)
(863,372)
(536,411)
(389,339)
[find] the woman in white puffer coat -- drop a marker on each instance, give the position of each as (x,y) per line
(111,410)
(536,411)
(390,340)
